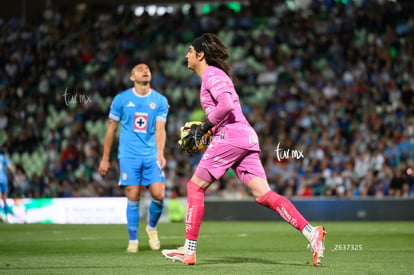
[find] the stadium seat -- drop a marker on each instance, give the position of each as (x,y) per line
(15,158)
(89,126)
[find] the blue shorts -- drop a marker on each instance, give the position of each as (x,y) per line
(4,188)
(143,171)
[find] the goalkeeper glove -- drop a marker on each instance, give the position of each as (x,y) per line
(197,132)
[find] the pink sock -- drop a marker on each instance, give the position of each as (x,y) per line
(284,208)
(195,210)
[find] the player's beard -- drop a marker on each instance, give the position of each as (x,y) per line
(142,83)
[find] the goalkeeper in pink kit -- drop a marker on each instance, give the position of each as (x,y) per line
(234,145)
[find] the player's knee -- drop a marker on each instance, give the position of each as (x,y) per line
(258,187)
(132,193)
(195,191)
(157,191)
(158,196)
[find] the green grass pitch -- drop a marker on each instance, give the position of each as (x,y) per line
(223,248)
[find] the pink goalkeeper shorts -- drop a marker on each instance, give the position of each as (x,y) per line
(219,158)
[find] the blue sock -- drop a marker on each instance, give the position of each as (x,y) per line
(155,210)
(132,213)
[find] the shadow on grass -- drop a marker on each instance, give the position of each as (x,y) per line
(241,260)
(48,269)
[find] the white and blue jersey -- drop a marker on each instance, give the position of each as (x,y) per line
(4,163)
(137,116)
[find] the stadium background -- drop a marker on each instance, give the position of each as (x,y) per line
(333,79)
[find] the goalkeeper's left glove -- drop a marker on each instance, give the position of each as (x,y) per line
(198,131)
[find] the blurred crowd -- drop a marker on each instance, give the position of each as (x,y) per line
(338,121)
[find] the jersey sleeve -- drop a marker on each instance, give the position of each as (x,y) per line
(163,110)
(115,112)
(5,162)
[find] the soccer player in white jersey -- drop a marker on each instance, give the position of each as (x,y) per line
(142,114)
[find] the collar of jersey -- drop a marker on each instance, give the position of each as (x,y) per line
(138,95)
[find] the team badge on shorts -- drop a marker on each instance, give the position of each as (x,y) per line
(124,176)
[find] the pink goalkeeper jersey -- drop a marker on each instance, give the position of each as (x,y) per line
(234,128)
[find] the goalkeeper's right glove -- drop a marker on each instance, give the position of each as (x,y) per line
(198,131)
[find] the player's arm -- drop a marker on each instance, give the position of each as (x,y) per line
(215,115)
(160,139)
(9,168)
(108,141)
(224,106)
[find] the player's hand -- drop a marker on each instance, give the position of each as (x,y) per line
(198,131)
(104,167)
(161,161)
(195,136)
